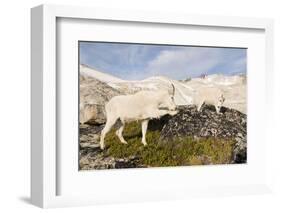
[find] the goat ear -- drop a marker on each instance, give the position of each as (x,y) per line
(173,93)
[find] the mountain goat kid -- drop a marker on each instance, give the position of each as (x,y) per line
(209,95)
(142,106)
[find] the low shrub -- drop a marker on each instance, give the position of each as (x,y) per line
(180,152)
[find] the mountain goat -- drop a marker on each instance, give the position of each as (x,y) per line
(209,95)
(143,106)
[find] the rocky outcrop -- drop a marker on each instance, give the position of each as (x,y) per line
(93,96)
(230,124)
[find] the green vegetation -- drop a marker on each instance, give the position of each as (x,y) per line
(183,151)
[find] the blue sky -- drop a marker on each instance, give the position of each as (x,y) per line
(139,61)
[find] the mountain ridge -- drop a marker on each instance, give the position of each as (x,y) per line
(233,86)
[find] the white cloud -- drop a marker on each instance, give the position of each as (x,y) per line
(185,62)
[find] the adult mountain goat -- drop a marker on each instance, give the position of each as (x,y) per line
(142,106)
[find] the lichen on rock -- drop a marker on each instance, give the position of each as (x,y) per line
(229,124)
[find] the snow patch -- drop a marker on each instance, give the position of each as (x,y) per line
(85,70)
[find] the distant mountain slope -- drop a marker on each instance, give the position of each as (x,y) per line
(182,96)
(233,87)
(90,72)
(96,88)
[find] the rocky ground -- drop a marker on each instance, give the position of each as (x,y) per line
(92,157)
(230,125)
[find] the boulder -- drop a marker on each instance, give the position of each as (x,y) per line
(93,96)
(92,114)
(230,124)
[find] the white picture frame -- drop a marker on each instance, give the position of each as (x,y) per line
(44,154)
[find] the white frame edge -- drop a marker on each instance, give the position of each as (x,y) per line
(43,84)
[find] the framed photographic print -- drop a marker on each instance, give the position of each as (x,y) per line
(149,106)
(189,101)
